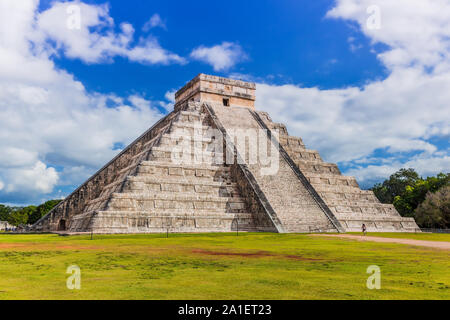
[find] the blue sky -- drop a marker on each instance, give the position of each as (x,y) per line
(290,40)
(364,82)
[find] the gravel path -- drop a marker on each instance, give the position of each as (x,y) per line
(422,243)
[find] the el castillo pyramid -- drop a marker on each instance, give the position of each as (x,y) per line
(216,164)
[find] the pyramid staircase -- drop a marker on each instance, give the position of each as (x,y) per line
(294,203)
(351,205)
(153,191)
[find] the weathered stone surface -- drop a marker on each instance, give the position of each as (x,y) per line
(294,206)
(215,89)
(176,178)
(351,205)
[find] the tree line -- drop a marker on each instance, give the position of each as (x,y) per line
(426,200)
(25,215)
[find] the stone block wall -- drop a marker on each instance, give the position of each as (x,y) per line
(148,187)
(351,205)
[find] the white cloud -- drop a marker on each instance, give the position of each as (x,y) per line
(220,57)
(424,164)
(170,97)
(52,131)
(399,114)
(2,185)
(149,51)
(75,175)
(154,21)
(37,178)
(94,40)
(418,32)
(12,156)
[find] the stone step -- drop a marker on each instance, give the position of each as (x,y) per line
(97,203)
(191,128)
(176,179)
(307,224)
(294,204)
(308,166)
(182,213)
(338,202)
(327,175)
(117,221)
(291,141)
(202,167)
(174,196)
(317,179)
(305,220)
(136,158)
(314,162)
(352,194)
(220,177)
(149,183)
(169,200)
(189,116)
(301,228)
(328,188)
(376,208)
(115,184)
(303,154)
(188,159)
(278,127)
(188,156)
(125,171)
(202,171)
(173,139)
(374,217)
(188,144)
(196,151)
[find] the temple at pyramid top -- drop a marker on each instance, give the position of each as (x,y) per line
(207,88)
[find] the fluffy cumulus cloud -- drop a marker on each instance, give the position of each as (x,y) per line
(87,32)
(52,131)
(220,57)
(417,32)
(38,178)
(399,116)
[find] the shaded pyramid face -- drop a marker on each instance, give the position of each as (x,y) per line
(215,164)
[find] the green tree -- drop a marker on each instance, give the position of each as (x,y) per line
(416,193)
(395,185)
(42,210)
(434,211)
(4,212)
(408,192)
(20,215)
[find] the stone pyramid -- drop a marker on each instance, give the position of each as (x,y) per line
(215,164)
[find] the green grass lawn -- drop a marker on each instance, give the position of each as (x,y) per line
(218,266)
